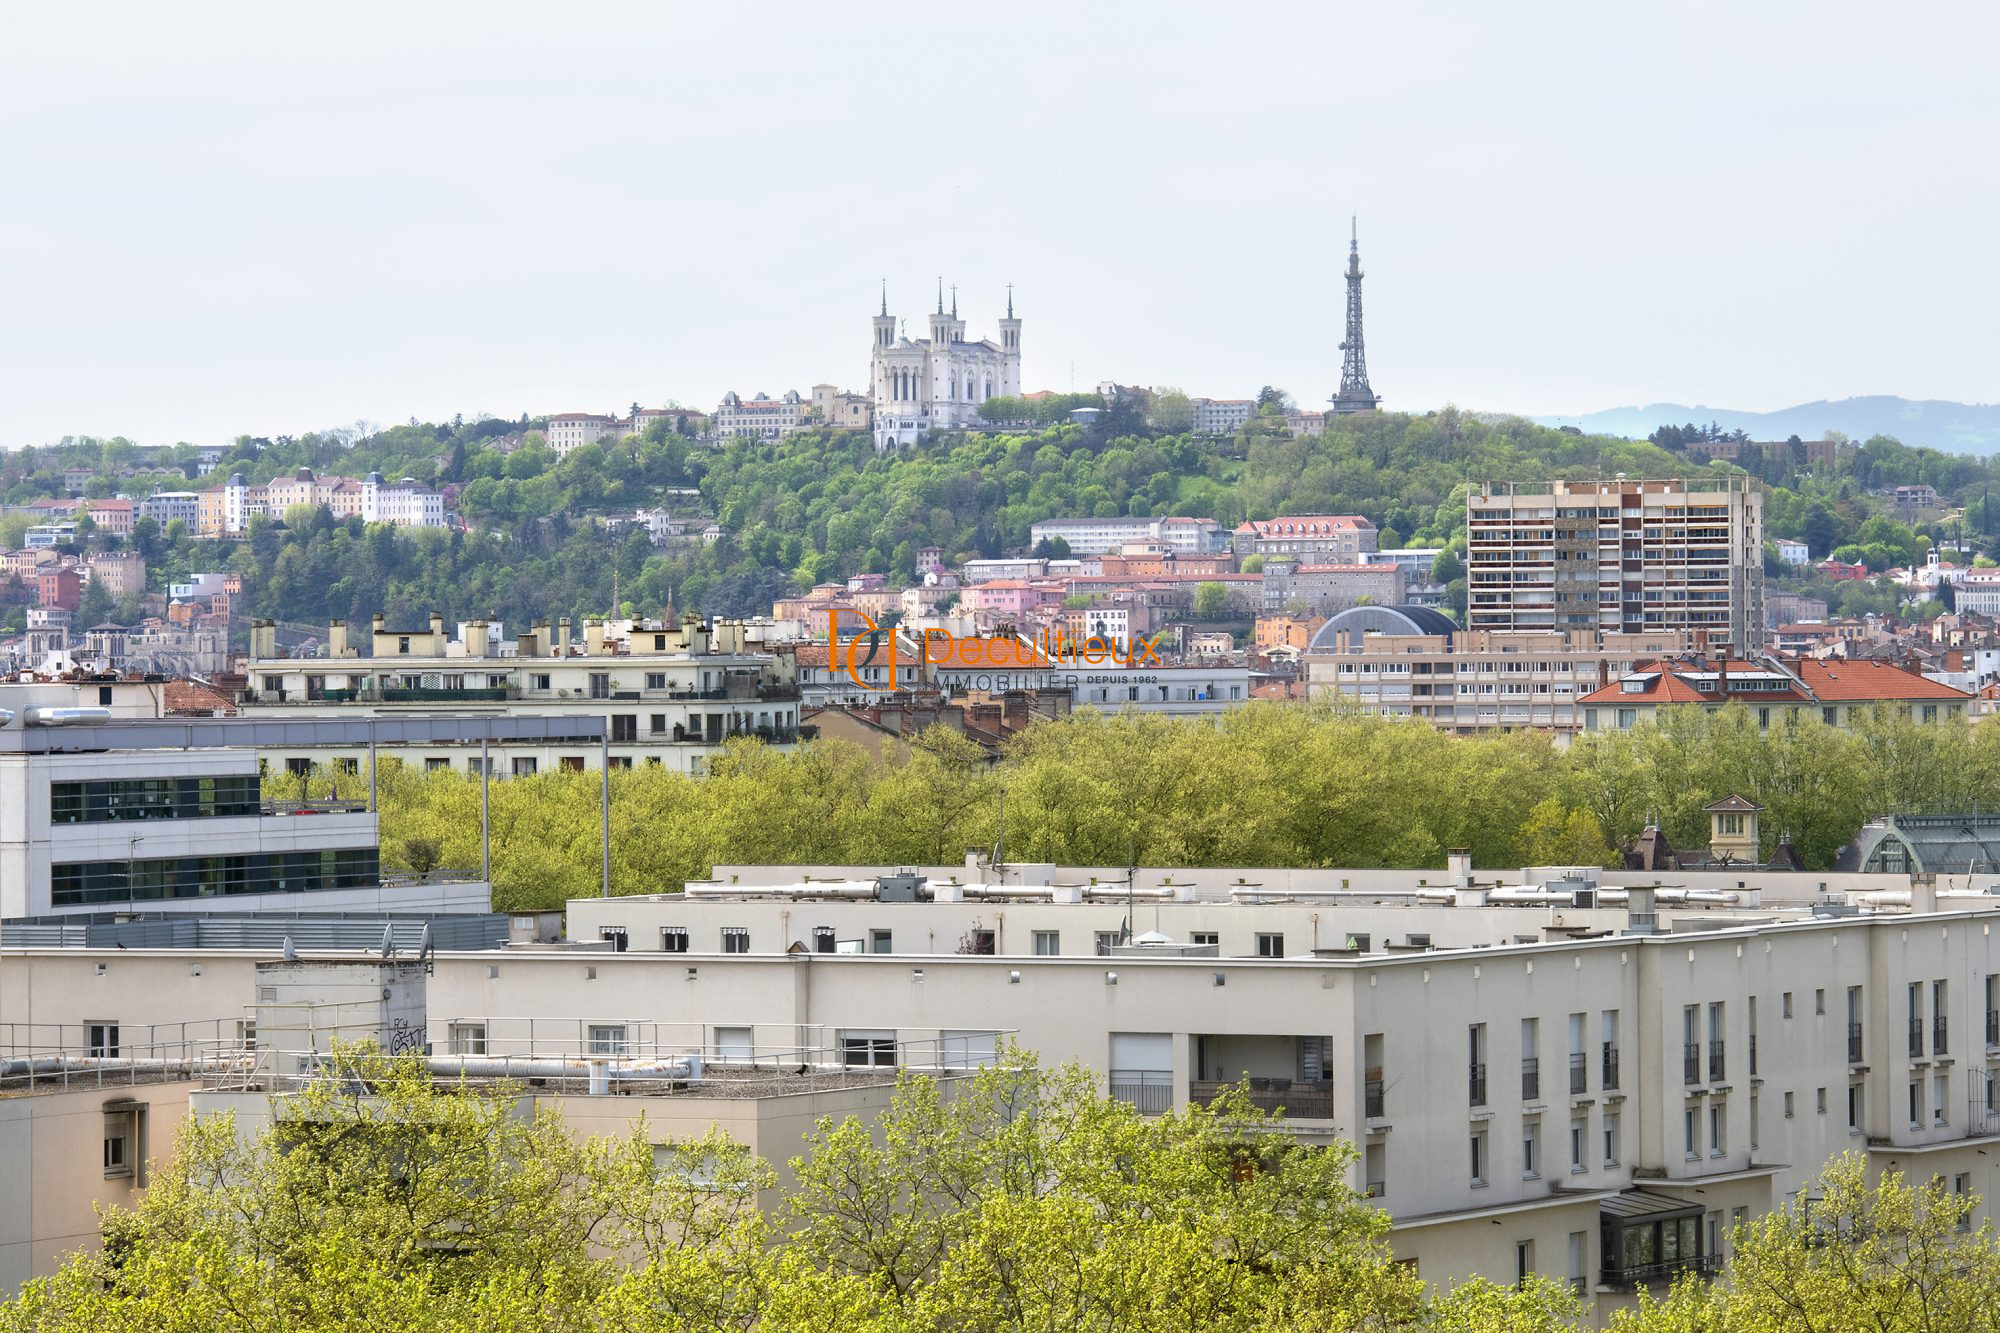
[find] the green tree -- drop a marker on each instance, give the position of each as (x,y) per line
(1211,600)
(1894,1255)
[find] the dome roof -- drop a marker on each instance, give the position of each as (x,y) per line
(1399,619)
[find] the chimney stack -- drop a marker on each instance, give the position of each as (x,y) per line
(1458,867)
(263,639)
(336,639)
(1923,891)
(593,637)
(562,636)
(478,639)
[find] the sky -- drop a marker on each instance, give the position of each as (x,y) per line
(224,219)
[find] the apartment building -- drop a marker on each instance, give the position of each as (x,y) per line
(1411,661)
(1108,536)
(1837,691)
(1556,1075)
(668,695)
(1340,539)
(1222,416)
(762,416)
(1621,556)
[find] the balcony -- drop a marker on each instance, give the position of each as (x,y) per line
(1150,1091)
(1475,1089)
(1299,1101)
(1855,1050)
(1531,1079)
(1579,1073)
(1610,1067)
(1916,1037)
(1691,1063)
(1661,1275)
(1717,1067)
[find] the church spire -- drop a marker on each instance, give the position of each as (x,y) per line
(940,293)
(1010,300)
(885,296)
(954,300)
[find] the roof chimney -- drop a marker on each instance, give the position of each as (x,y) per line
(562,636)
(478,638)
(336,639)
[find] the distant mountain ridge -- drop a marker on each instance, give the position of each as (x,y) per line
(1960,428)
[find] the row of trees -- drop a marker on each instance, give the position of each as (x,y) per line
(1016,1198)
(1271,784)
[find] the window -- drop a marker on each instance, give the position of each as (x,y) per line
(736,939)
(468,1038)
(1476,1068)
(1819,1001)
(624,728)
(1479,1157)
(103,1039)
(674,939)
(1788,1106)
(1524,1261)
(1819,1098)
(1270,944)
(868,1050)
(524,767)
(1785,1005)
(538,680)
(824,939)
(1940,1087)
(1579,1260)
(1611,1138)
(1690,1133)
(1579,1138)
(607,1039)
(1204,937)
(435,764)
(880,941)
(656,680)
(614,936)
(572,763)
(1531,1136)
(1718,1122)
(1107,940)
(1961,1190)
(120,1139)
(1048,943)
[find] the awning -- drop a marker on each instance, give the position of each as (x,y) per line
(1642,1206)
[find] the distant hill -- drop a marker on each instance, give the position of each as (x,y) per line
(1960,428)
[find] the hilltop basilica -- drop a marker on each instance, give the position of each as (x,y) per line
(938,383)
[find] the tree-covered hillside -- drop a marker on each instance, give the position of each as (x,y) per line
(824,505)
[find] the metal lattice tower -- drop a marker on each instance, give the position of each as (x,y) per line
(1355,395)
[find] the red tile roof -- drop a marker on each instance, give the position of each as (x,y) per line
(1824,682)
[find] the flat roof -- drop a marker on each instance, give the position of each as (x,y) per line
(267,733)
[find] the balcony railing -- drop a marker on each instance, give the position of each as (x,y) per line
(1475,1085)
(1753,1055)
(1854,1045)
(1691,1062)
(1299,1101)
(1940,1033)
(1579,1073)
(1531,1078)
(1916,1037)
(1716,1063)
(1610,1067)
(1371,1096)
(1150,1090)
(1661,1274)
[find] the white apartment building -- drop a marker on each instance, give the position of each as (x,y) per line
(572,430)
(1621,556)
(1411,661)
(662,695)
(407,503)
(163,507)
(1555,1075)
(1107,536)
(1222,416)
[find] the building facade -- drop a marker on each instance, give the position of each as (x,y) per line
(1338,539)
(1619,557)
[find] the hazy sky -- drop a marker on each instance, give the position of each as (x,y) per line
(262,218)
